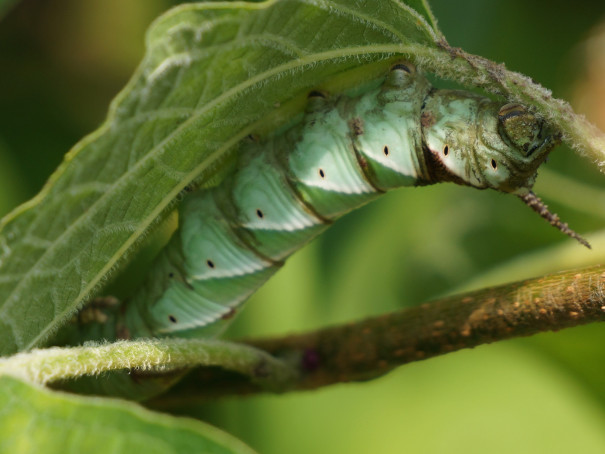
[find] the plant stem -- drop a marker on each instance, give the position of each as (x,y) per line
(370,348)
(166,355)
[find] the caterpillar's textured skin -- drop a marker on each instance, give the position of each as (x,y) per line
(285,191)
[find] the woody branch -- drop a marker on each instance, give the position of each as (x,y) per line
(370,348)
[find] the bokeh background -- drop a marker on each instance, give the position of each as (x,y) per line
(62,61)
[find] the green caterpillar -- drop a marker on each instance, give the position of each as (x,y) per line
(342,153)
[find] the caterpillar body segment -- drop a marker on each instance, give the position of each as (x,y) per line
(343,153)
(285,192)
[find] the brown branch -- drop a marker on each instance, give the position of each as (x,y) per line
(370,348)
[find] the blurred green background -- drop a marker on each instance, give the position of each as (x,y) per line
(62,61)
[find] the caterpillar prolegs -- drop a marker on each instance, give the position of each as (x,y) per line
(342,153)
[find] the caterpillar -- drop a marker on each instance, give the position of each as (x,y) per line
(343,152)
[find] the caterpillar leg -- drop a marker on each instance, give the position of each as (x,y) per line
(401,75)
(98,320)
(98,310)
(317,101)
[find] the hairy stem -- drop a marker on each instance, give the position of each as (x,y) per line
(55,364)
(372,347)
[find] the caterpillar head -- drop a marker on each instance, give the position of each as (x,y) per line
(477,142)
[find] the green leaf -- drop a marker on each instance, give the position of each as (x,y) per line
(211,71)
(33,419)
